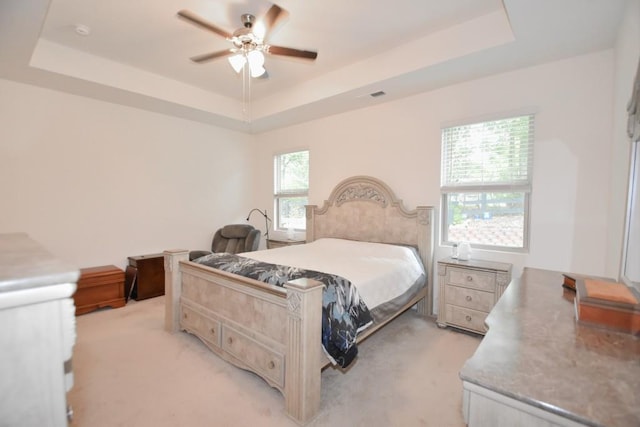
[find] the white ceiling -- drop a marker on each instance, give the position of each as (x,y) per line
(138,51)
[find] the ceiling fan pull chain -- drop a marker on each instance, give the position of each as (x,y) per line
(246,94)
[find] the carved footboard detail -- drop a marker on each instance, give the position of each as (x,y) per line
(303,367)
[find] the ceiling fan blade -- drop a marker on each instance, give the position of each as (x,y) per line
(274,16)
(288,51)
(213,55)
(196,20)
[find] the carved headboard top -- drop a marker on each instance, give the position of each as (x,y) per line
(361,188)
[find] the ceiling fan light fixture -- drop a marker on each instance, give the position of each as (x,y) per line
(256,63)
(237,62)
(257,71)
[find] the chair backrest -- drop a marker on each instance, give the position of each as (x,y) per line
(236,238)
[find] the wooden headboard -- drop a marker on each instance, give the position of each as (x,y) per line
(364,208)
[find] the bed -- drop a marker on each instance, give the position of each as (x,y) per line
(275,331)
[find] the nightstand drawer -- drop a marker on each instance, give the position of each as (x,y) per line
(469,298)
(466,318)
(473,279)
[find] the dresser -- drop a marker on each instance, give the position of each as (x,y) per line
(38,333)
(469,290)
(537,366)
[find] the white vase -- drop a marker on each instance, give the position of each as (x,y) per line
(464,251)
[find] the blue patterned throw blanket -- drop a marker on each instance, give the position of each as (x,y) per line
(344,313)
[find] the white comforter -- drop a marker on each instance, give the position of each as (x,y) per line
(379,271)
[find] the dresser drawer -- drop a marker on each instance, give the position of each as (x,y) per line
(469,298)
(203,326)
(265,361)
(485,281)
(466,318)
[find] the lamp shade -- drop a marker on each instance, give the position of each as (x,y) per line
(237,62)
(256,62)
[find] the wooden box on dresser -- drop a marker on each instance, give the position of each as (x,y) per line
(37,335)
(469,290)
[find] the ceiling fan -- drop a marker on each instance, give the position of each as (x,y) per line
(249,42)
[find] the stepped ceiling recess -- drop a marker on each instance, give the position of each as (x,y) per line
(136,53)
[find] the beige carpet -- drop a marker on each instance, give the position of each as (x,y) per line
(130,372)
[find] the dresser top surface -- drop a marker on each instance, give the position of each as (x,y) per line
(535,352)
(477,264)
(25,264)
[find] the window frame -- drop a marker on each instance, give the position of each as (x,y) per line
(279,194)
(525,187)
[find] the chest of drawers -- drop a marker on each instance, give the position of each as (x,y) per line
(468,291)
(38,333)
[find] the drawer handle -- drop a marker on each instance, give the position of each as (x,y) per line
(468,298)
(230,340)
(271,364)
(184,315)
(213,331)
(468,318)
(469,278)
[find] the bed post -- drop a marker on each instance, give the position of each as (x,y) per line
(310,217)
(303,363)
(173,287)
(425,247)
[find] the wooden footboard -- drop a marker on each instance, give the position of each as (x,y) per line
(273,332)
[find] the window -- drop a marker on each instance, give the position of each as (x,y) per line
(291,171)
(486,183)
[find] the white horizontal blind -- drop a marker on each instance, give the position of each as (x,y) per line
(494,155)
(292,173)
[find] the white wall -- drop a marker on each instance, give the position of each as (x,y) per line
(399,142)
(96,182)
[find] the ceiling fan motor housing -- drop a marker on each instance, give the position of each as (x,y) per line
(247,20)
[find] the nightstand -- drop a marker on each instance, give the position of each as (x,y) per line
(273,243)
(468,292)
(145,276)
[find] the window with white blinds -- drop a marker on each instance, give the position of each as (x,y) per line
(291,179)
(486,182)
